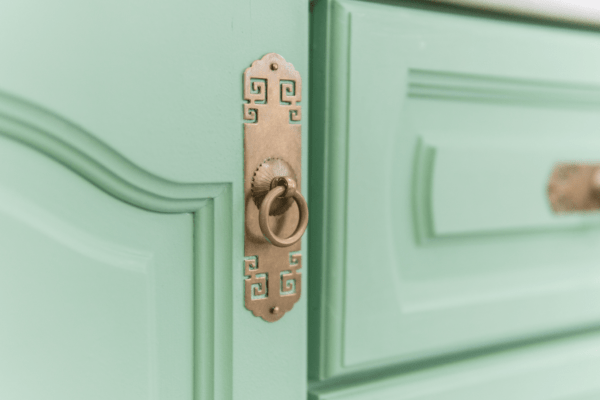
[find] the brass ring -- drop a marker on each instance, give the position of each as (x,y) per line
(263,217)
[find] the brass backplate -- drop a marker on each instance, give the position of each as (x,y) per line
(574,187)
(272,90)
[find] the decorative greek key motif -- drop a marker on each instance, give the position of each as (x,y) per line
(262,82)
(290,96)
(273,289)
(290,279)
(256,284)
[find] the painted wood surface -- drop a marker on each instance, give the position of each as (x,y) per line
(433,138)
(144,101)
(107,269)
(95,296)
(566,369)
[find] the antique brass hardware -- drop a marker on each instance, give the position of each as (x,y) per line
(287,190)
(574,187)
(272,179)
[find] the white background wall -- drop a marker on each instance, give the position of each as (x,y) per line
(587,11)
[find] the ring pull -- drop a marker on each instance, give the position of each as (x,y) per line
(283,187)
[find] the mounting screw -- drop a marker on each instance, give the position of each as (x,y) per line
(275,310)
(274,66)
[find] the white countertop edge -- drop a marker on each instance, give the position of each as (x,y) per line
(580,11)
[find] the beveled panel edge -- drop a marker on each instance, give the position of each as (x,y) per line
(449,85)
(211,206)
(95,161)
(330,71)
(424,156)
(575,353)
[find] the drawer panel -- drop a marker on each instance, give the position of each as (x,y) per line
(433,139)
(566,370)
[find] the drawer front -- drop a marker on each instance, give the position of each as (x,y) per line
(563,371)
(439,133)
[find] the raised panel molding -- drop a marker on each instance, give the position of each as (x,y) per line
(210,204)
(398,277)
(449,85)
(556,370)
(457,184)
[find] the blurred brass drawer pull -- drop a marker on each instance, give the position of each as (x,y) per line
(574,187)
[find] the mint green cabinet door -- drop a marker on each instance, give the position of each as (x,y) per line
(434,136)
(122,205)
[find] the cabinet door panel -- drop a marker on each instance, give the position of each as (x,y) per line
(151,97)
(440,132)
(104,291)
(95,295)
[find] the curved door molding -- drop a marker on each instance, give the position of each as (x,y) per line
(107,296)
